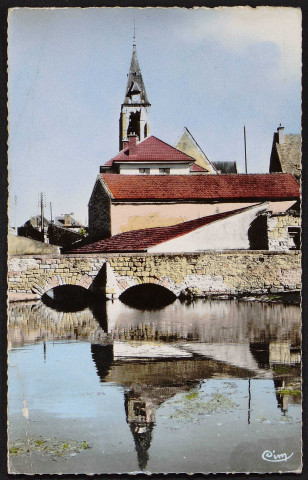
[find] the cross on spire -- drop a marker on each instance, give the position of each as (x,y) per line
(134,36)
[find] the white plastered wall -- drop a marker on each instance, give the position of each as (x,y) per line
(227,234)
(133,169)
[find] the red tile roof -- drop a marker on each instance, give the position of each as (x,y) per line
(150,150)
(141,240)
(197,168)
(265,186)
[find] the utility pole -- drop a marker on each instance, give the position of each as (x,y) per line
(245,149)
(41,204)
(50,213)
(15,209)
(42,210)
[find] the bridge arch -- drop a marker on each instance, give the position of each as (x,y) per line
(84,281)
(68,298)
(147,295)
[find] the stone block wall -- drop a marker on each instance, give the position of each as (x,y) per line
(231,272)
(99,213)
(207,273)
(38,274)
(62,236)
(277,225)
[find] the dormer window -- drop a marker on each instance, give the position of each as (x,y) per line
(144,171)
(164,171)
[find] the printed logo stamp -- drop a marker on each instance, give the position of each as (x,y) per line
(272,456)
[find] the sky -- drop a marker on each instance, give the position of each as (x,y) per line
(210,70)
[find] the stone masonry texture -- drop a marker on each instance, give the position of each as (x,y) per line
(278,230)
(207,273)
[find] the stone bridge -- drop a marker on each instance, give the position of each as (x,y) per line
(205,273)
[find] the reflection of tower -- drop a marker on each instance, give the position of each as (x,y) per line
(140,415)
(103,357)
(135,108)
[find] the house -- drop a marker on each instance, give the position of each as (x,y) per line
(68,222)
(149,157)
(33,228)
(225,167)
(284,229)
(63,231)
(221,231)
(151,184)
(122,203)
(286,153)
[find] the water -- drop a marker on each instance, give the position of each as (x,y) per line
(192,387)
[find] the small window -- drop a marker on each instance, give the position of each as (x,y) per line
(144,171)
(164,171)
(140,409)
(294,239)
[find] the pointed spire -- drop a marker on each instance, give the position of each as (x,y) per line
(135,89)
(134,37)
(142,433)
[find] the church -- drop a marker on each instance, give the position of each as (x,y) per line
(150,184)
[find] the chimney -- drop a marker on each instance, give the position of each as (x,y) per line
(67,220)
(125,144)
(280,131)
(132,144)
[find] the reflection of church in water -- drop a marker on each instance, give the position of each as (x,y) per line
(154,361)
(149,382)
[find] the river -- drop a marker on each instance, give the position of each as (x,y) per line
(196,386)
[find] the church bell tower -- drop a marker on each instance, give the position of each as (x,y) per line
(134,116)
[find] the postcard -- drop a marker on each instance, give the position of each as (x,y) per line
(154,265)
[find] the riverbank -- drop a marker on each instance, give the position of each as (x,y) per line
(289,298)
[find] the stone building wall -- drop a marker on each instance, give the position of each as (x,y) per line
(61,236)
(277,227)
(99,213)
(207,273)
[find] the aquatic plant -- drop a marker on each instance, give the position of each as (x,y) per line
(287,391)
(192,395)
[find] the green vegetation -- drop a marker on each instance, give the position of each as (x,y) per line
(281,369)
(192,395)
(14,450)
(287,391)
(51,446)
(82,231)
(39,442)
(186,410)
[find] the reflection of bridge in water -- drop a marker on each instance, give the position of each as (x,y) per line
(208,322)
(156,355)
